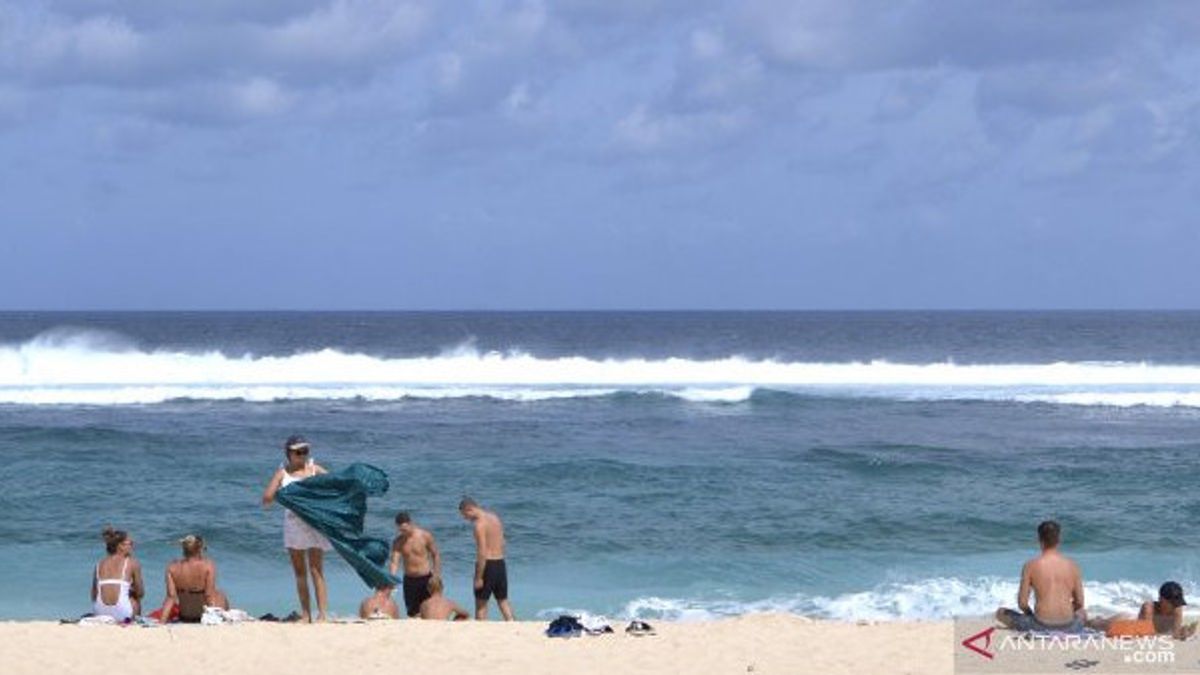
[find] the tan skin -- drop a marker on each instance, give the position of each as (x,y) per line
(489,545)
(297,466)
(416,549)
(194,572)
(380,603)
(110,568)
(1057,583)
(439,608)
(1167,618)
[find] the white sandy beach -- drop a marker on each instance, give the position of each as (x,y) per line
(759,644)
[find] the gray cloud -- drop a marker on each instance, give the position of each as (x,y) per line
(768,130)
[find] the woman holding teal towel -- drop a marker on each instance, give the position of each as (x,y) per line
(299,538)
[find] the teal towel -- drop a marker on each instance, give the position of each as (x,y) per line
(335,504)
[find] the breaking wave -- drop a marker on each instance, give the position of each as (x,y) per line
(94,368)
(928,599)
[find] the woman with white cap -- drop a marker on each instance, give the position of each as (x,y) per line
(300,539)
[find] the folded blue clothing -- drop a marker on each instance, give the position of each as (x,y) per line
(335,504)
(565,627)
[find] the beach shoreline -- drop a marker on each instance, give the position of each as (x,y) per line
(759,643)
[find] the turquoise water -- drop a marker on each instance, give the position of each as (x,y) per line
(658,465)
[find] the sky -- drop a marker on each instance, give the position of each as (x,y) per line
(599,154)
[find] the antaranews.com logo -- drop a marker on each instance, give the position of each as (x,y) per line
(981,647)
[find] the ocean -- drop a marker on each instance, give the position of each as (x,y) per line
(677,465)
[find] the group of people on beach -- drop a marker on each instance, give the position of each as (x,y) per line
(1056,584)
(118,587)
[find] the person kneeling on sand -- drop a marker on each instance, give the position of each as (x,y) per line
(192,583)
(380,605)
(438,607)
(1057,585)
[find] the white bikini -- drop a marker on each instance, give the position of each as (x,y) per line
(297,534)
(123,609)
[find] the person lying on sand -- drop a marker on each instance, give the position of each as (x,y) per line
(192,583)
(438,607)
(380,605)
(1057,585)
(1163,616)
(1167,612)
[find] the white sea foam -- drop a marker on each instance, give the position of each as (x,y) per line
(935,598)
(99,369)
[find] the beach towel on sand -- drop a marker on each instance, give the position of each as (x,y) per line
(335,504)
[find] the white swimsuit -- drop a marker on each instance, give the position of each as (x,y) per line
(297,534)
(123,609)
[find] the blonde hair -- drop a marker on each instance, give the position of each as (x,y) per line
(435,585)
(193,545)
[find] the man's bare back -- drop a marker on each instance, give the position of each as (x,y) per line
(489,532)
(1057,586)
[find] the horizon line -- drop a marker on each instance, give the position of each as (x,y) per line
(676,310)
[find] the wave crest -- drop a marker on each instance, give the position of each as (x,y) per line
(66,366)
(927,599)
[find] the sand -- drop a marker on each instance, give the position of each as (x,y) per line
(762,643)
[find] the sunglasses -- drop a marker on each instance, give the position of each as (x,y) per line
(299,451)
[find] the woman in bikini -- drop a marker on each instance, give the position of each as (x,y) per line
(299,537)
(117,588)
(192,583)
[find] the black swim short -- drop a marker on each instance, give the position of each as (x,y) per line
(416,591)
(495,581)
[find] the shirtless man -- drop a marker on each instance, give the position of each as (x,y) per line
(379,605)
(416,548)
(491,576)
(438,607)
(1057,584)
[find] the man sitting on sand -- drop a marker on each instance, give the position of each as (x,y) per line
(1058,588)
(491,574)
(379,605)
(417,549)
(438,607)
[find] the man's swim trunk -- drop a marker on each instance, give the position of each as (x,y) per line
(416,591)
(495,581)
(1028,623)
